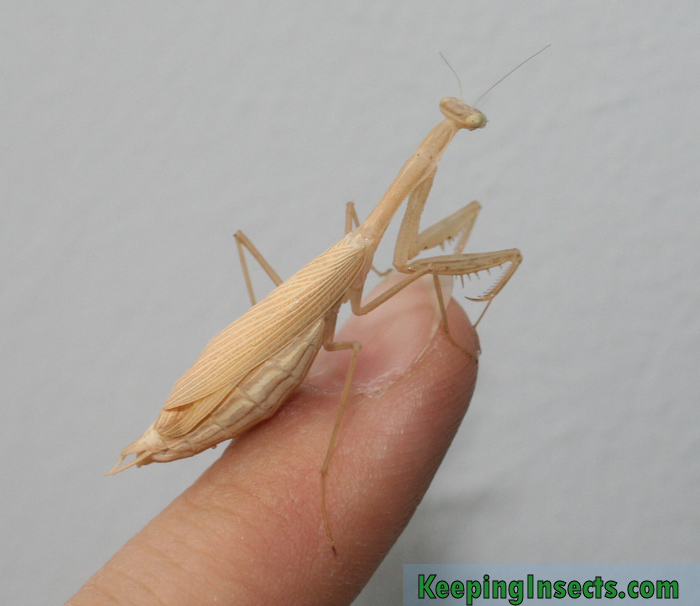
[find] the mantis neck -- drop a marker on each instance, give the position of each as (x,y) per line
(417,168)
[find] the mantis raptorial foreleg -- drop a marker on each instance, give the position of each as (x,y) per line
(409,243)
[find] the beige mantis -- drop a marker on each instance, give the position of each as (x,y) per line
(250,369)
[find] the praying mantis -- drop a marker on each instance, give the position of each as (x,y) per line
(248,370)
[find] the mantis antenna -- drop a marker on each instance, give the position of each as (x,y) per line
(504,77)
(459,82)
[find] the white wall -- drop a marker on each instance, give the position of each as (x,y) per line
(137,137)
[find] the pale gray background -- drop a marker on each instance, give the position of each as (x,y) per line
(137,137)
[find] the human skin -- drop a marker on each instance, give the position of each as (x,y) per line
(250,529)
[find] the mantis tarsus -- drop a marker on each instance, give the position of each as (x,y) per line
(248,370)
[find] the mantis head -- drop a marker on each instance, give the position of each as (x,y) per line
(462,114)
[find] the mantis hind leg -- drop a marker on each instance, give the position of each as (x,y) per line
(337,346)
(242,242)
